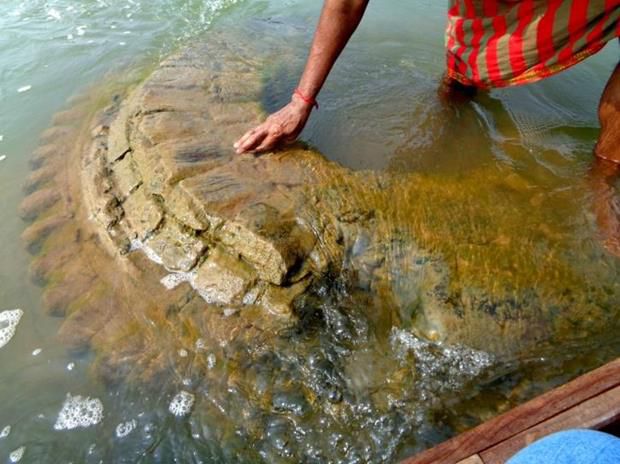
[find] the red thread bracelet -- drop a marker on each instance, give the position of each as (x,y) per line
(308,100)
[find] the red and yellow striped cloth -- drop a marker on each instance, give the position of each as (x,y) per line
(498,43)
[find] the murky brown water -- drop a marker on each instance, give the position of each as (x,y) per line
(502,188)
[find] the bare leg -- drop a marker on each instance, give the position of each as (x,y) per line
(606,203)
(453,91)
(608,146)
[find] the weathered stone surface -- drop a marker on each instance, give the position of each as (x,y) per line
(44,153)
(155,128)
(56,133)
(36,233)
(142,214)
(300,293)
(178,249)
(153,100)
(224,279)
(37,202)
(38,178)
(280,300)
(272,243)
(185,210)
(118,142)
(258,236)
(125,177)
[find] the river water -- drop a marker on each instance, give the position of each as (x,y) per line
(379,110)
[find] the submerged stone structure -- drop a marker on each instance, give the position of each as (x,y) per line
(153,175)
(169,255)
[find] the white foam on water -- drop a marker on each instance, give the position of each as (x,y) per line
(230,312)
(79,412)
(1,138)
(70,366)
(181,404)
(125,428)
(24,88)
(53,13)
(8,324)
(17,455)
(6,431)
(440,366)
(175,279)
(80,30)
(36,352)
(122,44)
(69,36)
(200,344)
(2,157)
(148,251)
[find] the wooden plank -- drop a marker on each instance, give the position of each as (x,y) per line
(475,459)
(522,417)
(594,413)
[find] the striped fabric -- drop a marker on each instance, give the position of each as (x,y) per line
(498,43)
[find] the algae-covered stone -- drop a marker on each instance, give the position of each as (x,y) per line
(265,237)
(271,242)
(125,176)
(224,279)
(178,249)
(143,214)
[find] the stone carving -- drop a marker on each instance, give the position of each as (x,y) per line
(144,215)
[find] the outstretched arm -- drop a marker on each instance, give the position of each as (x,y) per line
(338,21)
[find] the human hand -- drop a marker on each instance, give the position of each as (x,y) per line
(280,127)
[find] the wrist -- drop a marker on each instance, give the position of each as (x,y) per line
(301,99)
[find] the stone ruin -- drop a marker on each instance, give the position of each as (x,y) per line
(146,226)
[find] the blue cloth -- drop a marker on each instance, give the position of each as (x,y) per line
(571,447)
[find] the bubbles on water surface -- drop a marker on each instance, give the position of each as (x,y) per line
(439,366)
(5,432)
(181,404)
(78,411)
(8,324)
(125,428)
(211,360)
(17,454)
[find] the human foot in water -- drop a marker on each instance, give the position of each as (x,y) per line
(606,203)
(608,145)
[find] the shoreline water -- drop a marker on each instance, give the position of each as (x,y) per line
(396,117)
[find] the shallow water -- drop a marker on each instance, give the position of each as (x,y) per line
(528,151)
